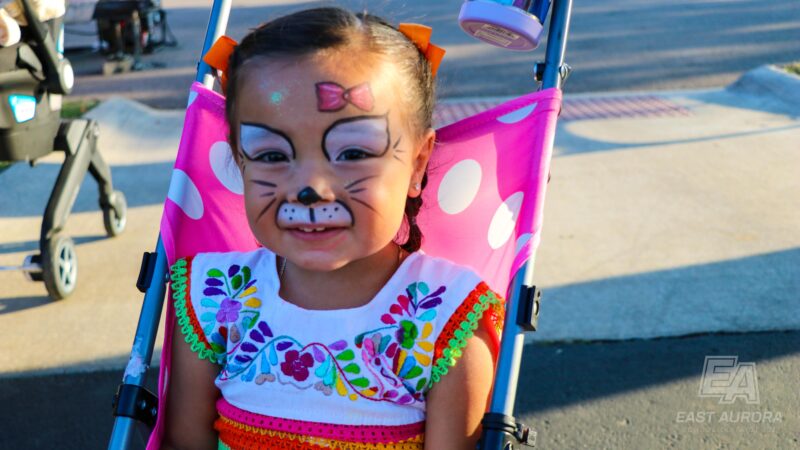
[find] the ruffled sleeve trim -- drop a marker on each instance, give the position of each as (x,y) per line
(482,306)
(185,313)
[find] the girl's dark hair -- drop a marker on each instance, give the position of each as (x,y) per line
(306,32)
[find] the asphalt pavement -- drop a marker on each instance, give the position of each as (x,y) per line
(638,395)
(614,45)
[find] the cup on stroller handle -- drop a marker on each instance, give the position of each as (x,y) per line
(510,24)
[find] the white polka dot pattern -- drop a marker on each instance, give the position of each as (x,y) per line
(224,167)
(185,194)
(505,218)
(459,186)
(517,115)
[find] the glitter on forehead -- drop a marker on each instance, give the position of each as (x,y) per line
(276,98)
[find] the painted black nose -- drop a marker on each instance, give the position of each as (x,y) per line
(308,196)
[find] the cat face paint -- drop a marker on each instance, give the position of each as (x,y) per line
(259,142)
(355,138)
(356,163)
(317,217)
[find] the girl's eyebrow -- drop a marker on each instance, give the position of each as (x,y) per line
(370,127)
(249,131)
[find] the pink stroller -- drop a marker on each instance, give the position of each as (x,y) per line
(484,204)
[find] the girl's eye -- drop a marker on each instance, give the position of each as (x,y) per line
(353,154)
(272,157)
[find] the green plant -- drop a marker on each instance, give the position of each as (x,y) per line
(793,68)
(73,109)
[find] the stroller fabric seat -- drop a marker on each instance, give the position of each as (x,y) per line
(482,206)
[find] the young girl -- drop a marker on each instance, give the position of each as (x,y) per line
(338,333)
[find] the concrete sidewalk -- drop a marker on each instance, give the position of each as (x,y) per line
(668,214)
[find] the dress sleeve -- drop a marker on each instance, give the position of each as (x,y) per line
(206,343)
(481,308)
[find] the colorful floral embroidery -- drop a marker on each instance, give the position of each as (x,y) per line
(383,364)
(395,362)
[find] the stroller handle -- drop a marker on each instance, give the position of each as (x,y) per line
(60,77)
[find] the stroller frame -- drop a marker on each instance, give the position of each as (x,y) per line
(135,407)
(41,71)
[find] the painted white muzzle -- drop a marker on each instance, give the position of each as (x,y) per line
(321,215)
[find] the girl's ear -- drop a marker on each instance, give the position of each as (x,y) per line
(422,154)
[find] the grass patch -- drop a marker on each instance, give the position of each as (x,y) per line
(77,108)
(793,68)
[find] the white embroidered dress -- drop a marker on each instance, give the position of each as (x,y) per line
(346,378)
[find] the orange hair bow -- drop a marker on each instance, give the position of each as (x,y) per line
(218,57)
(421,36)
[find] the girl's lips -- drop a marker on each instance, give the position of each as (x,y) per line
(314,236)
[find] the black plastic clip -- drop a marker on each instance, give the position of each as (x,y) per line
(525,435)
(528,316)
(499,422)
(146,272)
(514,432)
(137,403)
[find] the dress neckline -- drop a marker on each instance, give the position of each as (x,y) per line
(391,285)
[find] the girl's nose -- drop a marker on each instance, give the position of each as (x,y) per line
(308,196)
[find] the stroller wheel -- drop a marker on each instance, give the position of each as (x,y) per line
(59,266)
(115,216)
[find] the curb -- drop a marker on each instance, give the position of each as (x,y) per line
(770,81)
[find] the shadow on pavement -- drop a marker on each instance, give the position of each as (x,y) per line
(561,375)
(73,411)
(10,305)
(33,246)
(26,190)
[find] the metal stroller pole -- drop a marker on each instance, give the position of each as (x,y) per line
(133,404)
(217,24)
(500,429)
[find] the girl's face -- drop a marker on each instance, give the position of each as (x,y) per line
(327,156)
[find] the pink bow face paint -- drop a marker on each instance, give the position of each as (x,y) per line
(332,97)
(324,186)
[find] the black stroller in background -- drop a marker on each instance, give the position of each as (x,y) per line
(34,76)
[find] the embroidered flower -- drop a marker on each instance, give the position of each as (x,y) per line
(407,333)
(228,311)
(296,365)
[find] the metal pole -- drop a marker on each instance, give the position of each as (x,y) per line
(557,44)
(505,390)
(143,343)
(217,24)
(513,341)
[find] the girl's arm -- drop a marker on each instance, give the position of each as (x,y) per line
(191,399)
(456,404)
